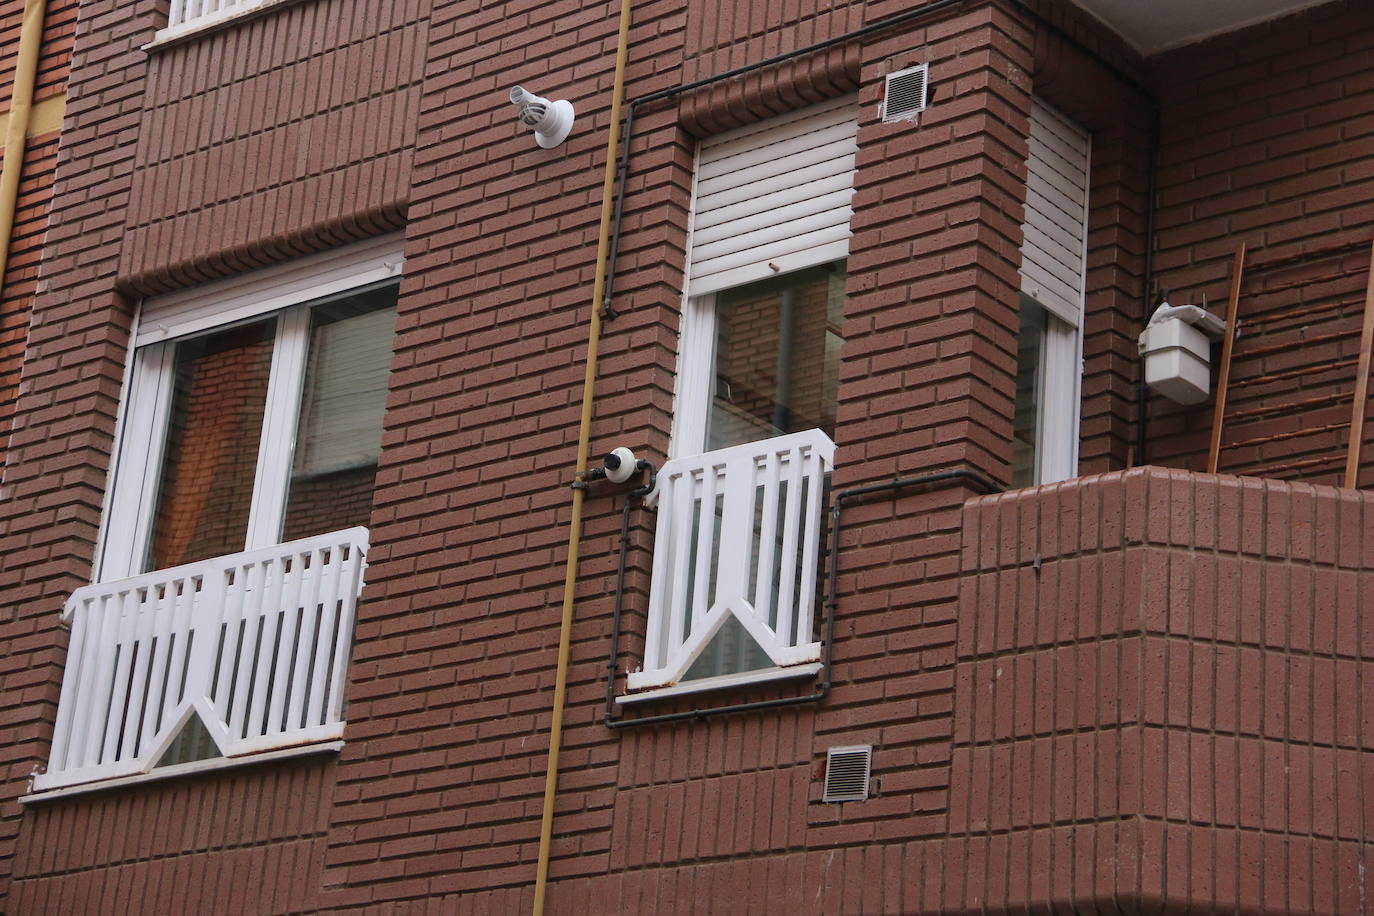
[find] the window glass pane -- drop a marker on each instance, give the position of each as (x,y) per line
(1030,360)
(339,433)
(777,357)
(210,460)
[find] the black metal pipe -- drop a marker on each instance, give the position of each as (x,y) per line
(1142,396)
(830,604)
(607,312)
(901,483)
(613,659)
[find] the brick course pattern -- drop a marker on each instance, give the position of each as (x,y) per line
(107,242)
(1268,140)
(1157,694)
(1168,643)
(35,189)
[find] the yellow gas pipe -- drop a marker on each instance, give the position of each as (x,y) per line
(560,686)
(17,128)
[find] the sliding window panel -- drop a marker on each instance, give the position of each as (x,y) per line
(339,429)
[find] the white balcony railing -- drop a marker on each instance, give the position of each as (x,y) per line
(254,644)
(754,559)
(185,16)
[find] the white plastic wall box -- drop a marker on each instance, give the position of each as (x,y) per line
(1177,361)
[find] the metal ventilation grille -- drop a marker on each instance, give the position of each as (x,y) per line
(905,93)
(846,773)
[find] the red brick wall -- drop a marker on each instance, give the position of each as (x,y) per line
(35,190)
(285,134)
(437,793)
(1268,140)
(21,271)
(139,120)
(59,25)
(238,841)
(1156,695)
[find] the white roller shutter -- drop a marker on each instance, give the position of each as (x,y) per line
(773,197)
(1052,256)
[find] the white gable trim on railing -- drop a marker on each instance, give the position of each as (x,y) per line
(773,197)
(255,644)
(1053,254)
(767,529)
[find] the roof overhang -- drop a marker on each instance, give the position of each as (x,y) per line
(1152,26)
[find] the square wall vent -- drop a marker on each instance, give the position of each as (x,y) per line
(846,773)
(904,94)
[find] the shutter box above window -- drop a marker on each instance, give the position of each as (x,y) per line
(773,197)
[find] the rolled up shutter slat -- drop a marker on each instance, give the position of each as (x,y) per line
(1056,214)
(773,197)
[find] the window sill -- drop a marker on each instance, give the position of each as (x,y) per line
(183,769)
(723,682)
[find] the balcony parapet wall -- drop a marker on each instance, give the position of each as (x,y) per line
(1162,692)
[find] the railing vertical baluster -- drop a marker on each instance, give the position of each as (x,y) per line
(291,613)
(94,676)
(160,653)
(329,615)
(655,636)
(230,621)
(811,549)
(271,613)
(768,530)
(186,610)
(352,587)
(119,677)
(706,547)
(248,654)
(684,494)
(88,674)
(787,568)
(80,615)
(735,550)
(142,648)
(309,617)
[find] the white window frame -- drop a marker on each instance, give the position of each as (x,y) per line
(1058,400)
(696,381)
(1059,395)
(695,376)
(286,290)
(775,254)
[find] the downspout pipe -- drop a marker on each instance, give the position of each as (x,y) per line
(17,127)
(584,433)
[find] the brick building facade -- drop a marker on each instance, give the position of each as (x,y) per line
(1138,688)
(35,189)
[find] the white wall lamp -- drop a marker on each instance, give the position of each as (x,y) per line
(550,121)
(1176,346)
